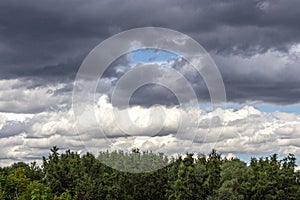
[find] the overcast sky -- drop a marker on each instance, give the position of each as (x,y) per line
(255,44)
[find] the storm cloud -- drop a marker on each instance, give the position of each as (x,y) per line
(47,41)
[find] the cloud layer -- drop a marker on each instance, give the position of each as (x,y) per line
(253,42)
(245,130)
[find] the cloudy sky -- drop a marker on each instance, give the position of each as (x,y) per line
(255,45)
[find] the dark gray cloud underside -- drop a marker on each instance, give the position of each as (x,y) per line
(46,41)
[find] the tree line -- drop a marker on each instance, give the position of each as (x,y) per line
(69,176)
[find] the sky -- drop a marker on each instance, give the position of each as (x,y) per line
(254,43)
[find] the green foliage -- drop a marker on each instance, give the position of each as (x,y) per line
(66,196)
(36,191)
(69,176)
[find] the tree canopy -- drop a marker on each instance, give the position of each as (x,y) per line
(69,176)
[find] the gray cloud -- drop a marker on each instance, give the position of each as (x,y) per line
(25,96)
(268,77)
(54,36)
(46,41)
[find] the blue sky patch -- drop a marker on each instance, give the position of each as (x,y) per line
(151,55)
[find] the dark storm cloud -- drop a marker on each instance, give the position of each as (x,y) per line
(278,93)
(270,77)
(46,41)
(155,94)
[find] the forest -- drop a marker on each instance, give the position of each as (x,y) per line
(70,176)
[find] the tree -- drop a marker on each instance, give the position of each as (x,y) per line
(71,176)
(234,181)
(213,167)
